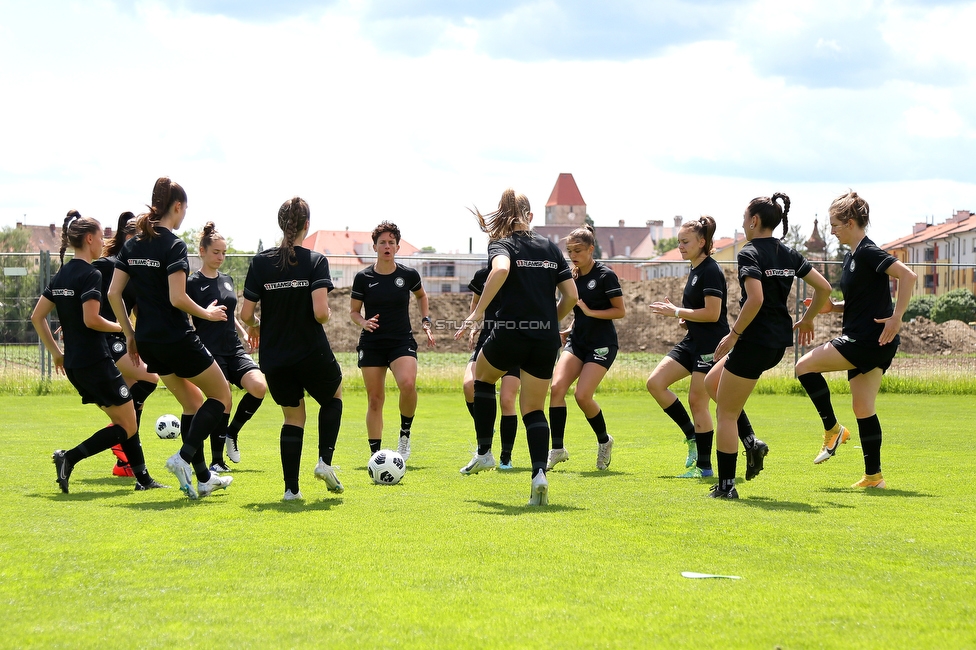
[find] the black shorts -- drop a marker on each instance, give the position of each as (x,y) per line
(508,349)
(100,383)
(750,360)
(318,373)
(514,372)
(116,345)
(691,358)
(235,366)
(184,358)
(383,353)
(865,358)
(603,356)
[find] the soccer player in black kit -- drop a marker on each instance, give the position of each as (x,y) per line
(209,286)
(526,271)
(590,349)
(75,291)
(761,333)
(508,428)
(704,313)
(155,262)
(869,338)
(292,283)
(139,380)
(386,339)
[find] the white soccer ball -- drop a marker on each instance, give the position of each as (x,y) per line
(386,467)
(168,427)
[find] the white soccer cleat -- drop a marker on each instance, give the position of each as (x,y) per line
(479,464)
(403,448)
(603,453)
(233,451)
(293,496)
(216,482)
(326,473)
(540,490)
(556,456)
(184,474)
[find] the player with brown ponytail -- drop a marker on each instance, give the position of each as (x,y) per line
(292,283)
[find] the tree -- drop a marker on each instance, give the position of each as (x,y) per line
(666,245)
(958,304)
(14,240)
(428,250)
(919,306)
(794,239)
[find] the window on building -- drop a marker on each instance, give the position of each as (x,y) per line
(929,281)
(440,270)
(929,255)
(445,288)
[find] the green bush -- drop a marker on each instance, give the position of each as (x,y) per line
(919,306)
(958,304)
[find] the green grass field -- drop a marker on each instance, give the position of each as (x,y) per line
(443,560)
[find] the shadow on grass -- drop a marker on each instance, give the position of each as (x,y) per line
(871,492)
(507,509)
(294,506)
(179,500)
(80,496)
(594,473)
(772,504)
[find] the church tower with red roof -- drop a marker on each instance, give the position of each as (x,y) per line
(565,206)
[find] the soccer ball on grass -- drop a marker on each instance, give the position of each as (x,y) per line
(168,427)
(386,467)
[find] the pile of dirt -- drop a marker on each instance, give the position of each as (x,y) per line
(642,330)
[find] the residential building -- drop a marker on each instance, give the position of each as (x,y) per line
(349,252)
(670,264)
(942,255)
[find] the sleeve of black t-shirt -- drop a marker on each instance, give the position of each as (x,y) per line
(876,258)
(358,287)
(611,284)
(712,282)
(748,259)
(47,293)
(477,284)
(497,248)
(563,272)
(320,277)
(413,279)
(122,259)
(803,267)
(252,283)
(176,258)
(91,287)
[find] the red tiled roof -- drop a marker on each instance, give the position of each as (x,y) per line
(674,255)
(623,237)
(343,242)
(565,192)
(932,232)
(43,238)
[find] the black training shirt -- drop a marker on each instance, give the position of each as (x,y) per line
(706,279)
(220,337)
(289,331)
(76,283)
(149,263)
(770,261)
(867,292)
(388,296)
(527,300)
(596,288)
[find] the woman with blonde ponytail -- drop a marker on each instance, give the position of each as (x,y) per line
(155,261)
(292,283)
(75,291)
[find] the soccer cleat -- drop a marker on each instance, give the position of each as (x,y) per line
(326,473)
(556,456)
(479,464)
(293,496)
(63,468)
(152,485)
(540,490)
(403,447)
(707,473)
(869,481)
(603,453)
(122,469)
(717,493)
(184,474)
(505,464)
(754,459)
(219,467)
(694,472)
(215,482)
(692,452)
(233,452)
(831,442)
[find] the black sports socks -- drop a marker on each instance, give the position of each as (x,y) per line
(557,423)
(485,406)
(537,435)
(816,387)
(678,413)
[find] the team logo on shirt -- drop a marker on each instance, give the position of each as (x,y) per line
(591,285)
(780,273)
(601,353)
(124,391)
(118,346)
(227,285)
(360,355)
(852,265)
(399,282)
(286,284)
(144,262)
(535,264)
(694,280)
(67,293)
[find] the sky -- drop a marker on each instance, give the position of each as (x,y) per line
(418,110)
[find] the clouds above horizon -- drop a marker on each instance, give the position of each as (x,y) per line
(432,106)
